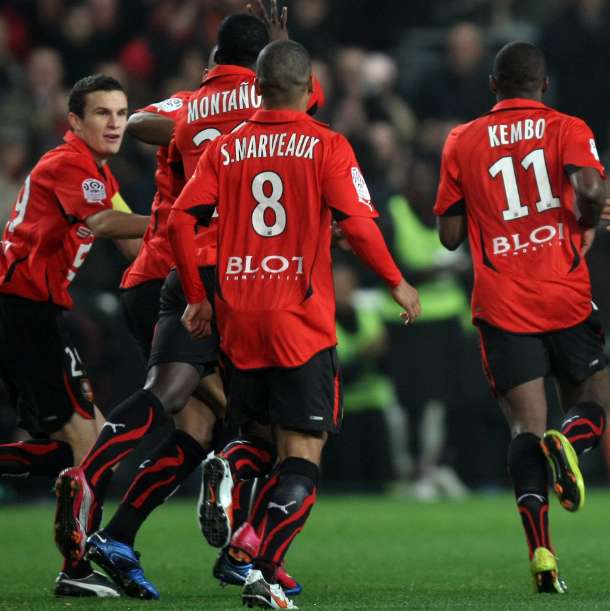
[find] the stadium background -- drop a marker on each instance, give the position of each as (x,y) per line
(397,76)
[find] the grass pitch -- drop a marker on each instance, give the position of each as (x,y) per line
(355,553)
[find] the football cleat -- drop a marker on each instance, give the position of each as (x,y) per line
(546,573)
(122,565)
(258,593)
(568,482)
(233,573)
(74,513)
(215,505)
(94,584)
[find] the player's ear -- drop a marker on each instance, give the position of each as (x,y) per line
(493,84)
(545,84)
(257,87)
(310,84)
(74,121)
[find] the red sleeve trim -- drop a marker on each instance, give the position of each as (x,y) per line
(366,240)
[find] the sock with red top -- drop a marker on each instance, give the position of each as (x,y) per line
(584,426)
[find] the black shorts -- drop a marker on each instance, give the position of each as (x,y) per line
(41,367)
(572,354)
(305,398)
(172,343)
(140,306)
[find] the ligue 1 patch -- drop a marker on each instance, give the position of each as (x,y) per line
(94,190)
(169,105)
(364,197)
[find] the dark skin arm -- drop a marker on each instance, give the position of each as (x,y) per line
(452,230)
(590,192)
(151,128)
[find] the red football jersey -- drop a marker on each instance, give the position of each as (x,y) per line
(154,258)
(275,181)
(46,240)
(510,168)
(226,99)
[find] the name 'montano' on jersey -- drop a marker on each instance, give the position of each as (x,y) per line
(510,170)
(277,182)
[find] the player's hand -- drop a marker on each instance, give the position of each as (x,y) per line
(588,237)
(197,319)
(407,297)
(606,213)
(276,23)
(338,238)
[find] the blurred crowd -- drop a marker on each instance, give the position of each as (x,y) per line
(397,76)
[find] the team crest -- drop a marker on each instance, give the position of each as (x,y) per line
(94,190)
(364,197)
(169,105)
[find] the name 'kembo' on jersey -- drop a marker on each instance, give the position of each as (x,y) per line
(526,129)
(269,145)
(242,97)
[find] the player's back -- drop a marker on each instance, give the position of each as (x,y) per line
(274,266)
(512,166)
(226,98)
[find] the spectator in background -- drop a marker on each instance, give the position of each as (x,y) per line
(360,457)
(427,379)
(458,88)
(13,167)
(11,74)
(310,25)
(577,47)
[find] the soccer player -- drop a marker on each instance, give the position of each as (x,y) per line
(525,182)
(68,199)
(177,362)
(277,183)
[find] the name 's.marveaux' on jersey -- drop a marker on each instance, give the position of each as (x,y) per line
(526,129)
(269,145)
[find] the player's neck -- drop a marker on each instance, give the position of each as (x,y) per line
(523,95)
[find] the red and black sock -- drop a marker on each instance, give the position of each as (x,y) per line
(584,426)
(125,428)
(35,457)
(242,499)
(527,467)
(249,458)
(157,479)
(287,504)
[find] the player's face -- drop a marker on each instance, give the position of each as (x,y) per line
(103,123)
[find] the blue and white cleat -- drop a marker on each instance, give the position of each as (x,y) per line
(122,565)
(228,572)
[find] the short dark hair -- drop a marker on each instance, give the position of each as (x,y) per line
(519,67)
(283,69)
(89,84)
(241,37)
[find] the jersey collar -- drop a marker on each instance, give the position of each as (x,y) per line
(511,103)
(279,116)
(228,70)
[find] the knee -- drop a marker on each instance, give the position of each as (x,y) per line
(172,397)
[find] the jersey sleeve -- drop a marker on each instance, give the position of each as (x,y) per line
(579,147)
(449,188)
(202,188)
(170,107)
(81,194)
(343,186)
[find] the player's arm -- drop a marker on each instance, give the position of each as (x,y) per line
(116,224)
(365,239)
(450,205)
(151,128)
(276,22)
(345,192)
(452,226)
(194,206)
(590,192)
